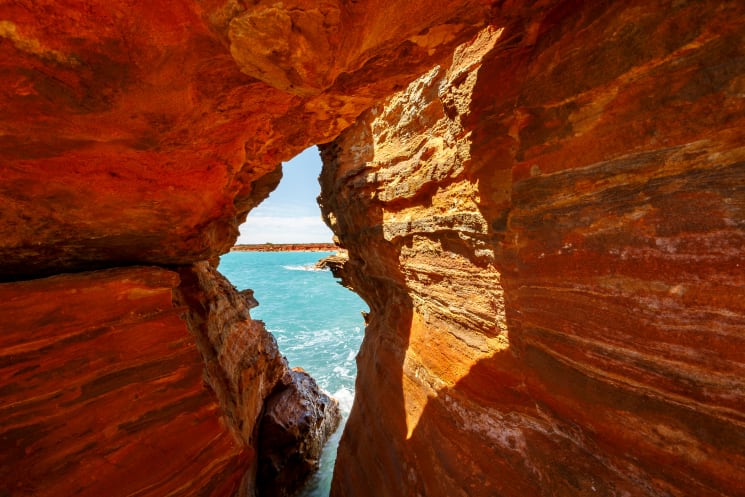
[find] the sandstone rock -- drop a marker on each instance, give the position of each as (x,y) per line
(241,359)
(548,232)
(102,379)
(334,263)
(298,420)
(102,392)
(145,133)
(248,296)
(549,235)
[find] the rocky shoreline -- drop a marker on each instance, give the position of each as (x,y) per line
(286,247)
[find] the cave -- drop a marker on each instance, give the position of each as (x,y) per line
(543,205)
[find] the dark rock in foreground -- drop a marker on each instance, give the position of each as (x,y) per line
(298,421)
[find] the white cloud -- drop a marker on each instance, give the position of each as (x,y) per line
(276,229)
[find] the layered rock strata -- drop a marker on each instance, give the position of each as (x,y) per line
(142,134)
(156,128)
(278,414)
(102,392)
(242,363)
(549,235)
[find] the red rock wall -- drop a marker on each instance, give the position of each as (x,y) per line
(155,127)
(143,133)
(549,234)
(102,392)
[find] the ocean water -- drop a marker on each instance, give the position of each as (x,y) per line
(317,323)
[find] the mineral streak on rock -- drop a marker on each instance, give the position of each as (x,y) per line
(102,392)
(549,235)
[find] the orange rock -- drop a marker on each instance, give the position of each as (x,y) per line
(548,228)
(106,392)
(102,392)
(143,133)
(549,235)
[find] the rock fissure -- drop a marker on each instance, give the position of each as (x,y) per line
(542,204)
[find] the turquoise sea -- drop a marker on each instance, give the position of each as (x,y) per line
(317,323)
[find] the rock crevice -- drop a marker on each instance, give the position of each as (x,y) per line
(546,221)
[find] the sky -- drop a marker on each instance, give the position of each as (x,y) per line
(291,213)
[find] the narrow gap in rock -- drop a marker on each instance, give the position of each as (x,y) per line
(317,323)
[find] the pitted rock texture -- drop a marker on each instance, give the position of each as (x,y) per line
(298,420)
(549,235)
(242,362)
(144,133)
(102,392)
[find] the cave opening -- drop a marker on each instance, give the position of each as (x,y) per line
(317,323)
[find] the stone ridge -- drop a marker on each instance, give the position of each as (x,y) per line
(549,236)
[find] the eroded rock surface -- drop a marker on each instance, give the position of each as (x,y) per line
(298,420)
(145,133)
(549,235)
(279,413)
(548,228)
(102,392)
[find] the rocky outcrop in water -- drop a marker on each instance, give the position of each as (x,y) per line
(549,235)
(280,412)
(298,420)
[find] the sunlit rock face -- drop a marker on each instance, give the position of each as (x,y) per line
(549,234)
(547,224)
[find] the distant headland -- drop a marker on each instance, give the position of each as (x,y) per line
(286,247)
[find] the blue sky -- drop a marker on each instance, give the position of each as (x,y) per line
(291,213)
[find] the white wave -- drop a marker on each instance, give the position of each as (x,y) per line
(306,267)
(341,371)
(345,397)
